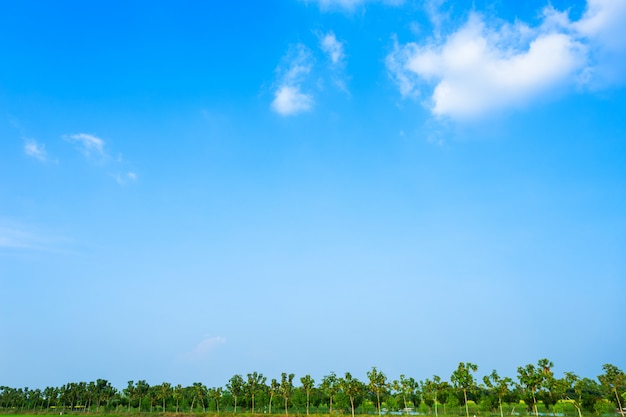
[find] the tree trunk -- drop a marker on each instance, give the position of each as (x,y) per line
(270,405)
(466,406)
(352,404)
(308,396)
(619,403)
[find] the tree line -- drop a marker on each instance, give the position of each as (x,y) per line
(535,389)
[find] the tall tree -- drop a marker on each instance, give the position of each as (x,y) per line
(307,384)
(199,393)
(500,386)
(286,389)
(614,381)
(409,388)
(178,395)
(254,383)
(235,387)
(531,379)
(274,388)
(330,387)
(129,392)
(352,387)
(164,393)
(141,390)
(463,379)
(216,395)
(377,384)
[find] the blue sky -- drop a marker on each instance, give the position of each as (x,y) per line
(191,190)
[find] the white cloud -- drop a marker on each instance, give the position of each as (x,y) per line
(289,99)
(487,66)
(90,145)
(35,150)
(332,47)
(602,26)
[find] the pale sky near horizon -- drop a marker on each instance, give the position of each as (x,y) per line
(191,190)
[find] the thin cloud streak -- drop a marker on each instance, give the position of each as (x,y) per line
(351,5)
(203,349)
(89,145)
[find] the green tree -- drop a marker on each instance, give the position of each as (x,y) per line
(500,386)
(377,384)
(274,388)
(178,395)
(351,387)
(613,380)
(531,380)
(286,389)
(330,387)
(307,383)
(255,382)
(406,388)
(463,380)
(199,393)
(429,393)
(141,391)
(129,392)
(216,395)
(235,387)
(164,393)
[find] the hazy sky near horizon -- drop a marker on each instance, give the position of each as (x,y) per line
(191,190)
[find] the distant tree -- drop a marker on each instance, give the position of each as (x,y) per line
(500,386)
(613,380)
(216,395)
(463,380)
(141,391)
(274,388)
(164,392)
(377,384)
(307,383)
(330,387)
(351,387)
(235,387)
(531,381)
(254,383)
(199,392)
(286,389)
(178,395)
(129,392)
(408,386)
(429,393)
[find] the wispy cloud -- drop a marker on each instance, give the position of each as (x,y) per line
(350,5)
(126,177)
(89,145)
(485,66)
(204,348)
(95,150)
(332,47)
(296,71)
(289,99)
(17,236)
(35,150)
